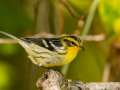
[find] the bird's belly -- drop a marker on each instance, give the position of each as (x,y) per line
(46,58)
(49,60)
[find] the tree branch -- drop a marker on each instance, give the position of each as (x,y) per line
(53,80)
(94,38)
(7,41)
(72,12)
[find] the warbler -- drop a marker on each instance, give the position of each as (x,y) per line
(50,51)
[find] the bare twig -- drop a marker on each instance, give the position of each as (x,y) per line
(7,41)
(53,80)
(80,24)
(42,16)
(112,66)
(58,18)
(90,17)
(66,4)
(75,15)
(95,38)
(106,72)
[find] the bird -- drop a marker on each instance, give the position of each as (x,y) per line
(50,50)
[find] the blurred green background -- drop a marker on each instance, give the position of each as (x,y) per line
(27,17)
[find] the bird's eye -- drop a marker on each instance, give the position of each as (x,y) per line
(70,43)
(73,44)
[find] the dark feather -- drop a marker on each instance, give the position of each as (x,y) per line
(39,41)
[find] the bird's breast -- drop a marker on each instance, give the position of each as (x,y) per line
(71,54)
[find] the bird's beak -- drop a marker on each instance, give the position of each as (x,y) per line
(82,47)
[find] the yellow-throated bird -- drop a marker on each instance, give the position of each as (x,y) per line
(50,51)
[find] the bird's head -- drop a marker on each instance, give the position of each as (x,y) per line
(72,41)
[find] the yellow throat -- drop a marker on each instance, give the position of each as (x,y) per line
(71,54)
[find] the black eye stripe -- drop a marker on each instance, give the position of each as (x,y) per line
(70,43)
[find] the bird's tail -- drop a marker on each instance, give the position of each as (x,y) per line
(21,42)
